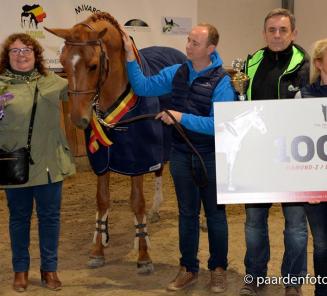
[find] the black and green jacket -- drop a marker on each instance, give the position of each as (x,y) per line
(295,76)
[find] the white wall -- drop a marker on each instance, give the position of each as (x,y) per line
(239,22)
(311,21)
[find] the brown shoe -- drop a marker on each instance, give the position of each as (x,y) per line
(293,291)
(182,280)
(249,290)
(218,280)
(20,281)
(50,280)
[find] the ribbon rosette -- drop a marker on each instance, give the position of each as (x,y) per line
(4,98)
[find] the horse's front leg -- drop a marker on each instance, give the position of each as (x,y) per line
(142,243)
(101,234)
(154,215)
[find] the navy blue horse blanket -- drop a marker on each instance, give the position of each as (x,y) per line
(143,146)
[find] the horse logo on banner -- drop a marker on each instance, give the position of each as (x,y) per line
(231,133)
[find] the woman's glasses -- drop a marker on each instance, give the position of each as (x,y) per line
(23,51)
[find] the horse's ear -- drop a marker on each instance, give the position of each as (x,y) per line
(62,33)
(102,33)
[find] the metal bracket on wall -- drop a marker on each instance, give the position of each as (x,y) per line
(288,4)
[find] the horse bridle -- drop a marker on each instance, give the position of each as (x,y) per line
(103,71)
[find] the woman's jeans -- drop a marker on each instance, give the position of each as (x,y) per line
(257,240)
(20,203)
(317,217)
(189,197)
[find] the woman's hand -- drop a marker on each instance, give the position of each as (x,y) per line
(128,45)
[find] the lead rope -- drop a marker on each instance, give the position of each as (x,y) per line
(178,127)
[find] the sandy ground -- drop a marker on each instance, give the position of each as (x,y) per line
(118,276)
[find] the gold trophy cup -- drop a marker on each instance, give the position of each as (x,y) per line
(240,80)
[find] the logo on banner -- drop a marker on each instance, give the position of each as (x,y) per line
(176,25)
(83,11)
(231,134)
(324,111)
(86,8)
(169,25)
(137,25)
(30,18)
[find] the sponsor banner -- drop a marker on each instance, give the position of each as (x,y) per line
(142,18)
(271,151)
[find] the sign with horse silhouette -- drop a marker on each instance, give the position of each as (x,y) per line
(271,151)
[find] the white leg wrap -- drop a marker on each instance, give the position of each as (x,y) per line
(96,227)
(139,233)
(101,229)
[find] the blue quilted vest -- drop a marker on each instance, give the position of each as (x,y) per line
(314,90)
(195,99)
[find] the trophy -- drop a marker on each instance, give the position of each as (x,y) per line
(240,80)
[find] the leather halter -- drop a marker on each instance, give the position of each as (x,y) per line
(104,66)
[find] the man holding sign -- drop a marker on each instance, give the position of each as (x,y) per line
(277,71)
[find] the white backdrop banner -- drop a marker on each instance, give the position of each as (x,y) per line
(271,151)
(159,22)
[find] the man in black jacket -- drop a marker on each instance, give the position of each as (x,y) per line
(277,71)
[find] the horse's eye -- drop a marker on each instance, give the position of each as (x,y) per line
(92,67)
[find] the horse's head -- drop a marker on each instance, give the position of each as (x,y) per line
(92,54)
(257,121)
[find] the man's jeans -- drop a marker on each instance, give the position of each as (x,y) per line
(257,240)
(189,197)
(20,203)
(317,216)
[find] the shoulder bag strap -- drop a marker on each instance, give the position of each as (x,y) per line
(30,128)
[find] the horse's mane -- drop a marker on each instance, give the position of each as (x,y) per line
(104,16)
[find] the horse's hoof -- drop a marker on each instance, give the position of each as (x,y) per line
(96,261)
(145,267)
(153,217)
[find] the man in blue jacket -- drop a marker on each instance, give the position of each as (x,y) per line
(194,86)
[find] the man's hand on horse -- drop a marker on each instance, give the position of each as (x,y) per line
(128,45)
(163,116)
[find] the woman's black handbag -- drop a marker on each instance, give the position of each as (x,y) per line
(14,165)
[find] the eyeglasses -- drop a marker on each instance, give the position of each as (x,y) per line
(23,51)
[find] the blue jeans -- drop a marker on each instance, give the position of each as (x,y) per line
(20,203)
(189,197)
(257,240)
(317,217)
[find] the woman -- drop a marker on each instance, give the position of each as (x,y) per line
(317,213)
(22,72)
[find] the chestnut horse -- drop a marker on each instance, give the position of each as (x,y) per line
(94,59)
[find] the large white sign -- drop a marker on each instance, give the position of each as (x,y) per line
(159,22)
(271,150)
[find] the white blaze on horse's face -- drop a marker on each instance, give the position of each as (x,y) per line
(75,59)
